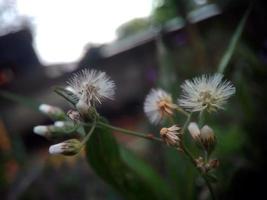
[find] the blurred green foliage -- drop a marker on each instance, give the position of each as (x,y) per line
(127,174)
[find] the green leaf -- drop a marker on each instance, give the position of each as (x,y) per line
(182,174)
(148,174)
(130,180)
(66,94)
(233,43)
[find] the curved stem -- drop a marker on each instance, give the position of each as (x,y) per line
(129,132)
(86,138)
(186,123)
(179,109)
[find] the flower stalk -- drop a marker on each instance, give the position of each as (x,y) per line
(130,132)
(87,137)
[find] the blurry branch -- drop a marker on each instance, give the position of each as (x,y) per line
(28,102)
(233,43)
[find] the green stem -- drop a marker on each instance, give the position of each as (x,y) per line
(129,132)
(209,186)
(86,138)
(151,137)
(190,156)
(182,111)
(201,117)
(186,123)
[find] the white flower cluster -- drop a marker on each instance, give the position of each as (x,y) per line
(202,93)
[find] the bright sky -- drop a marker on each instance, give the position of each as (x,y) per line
(64,27)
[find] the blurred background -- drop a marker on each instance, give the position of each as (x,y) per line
(140,44)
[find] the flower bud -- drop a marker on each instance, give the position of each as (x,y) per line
(74,115)
(69,147)
(194,130)
(207,138)
(52,111)
(42,130)
(59,129)
(204,137)
(64,125)
(171,135)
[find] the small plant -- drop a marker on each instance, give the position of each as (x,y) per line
(200,96)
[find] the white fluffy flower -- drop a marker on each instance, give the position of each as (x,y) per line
(158,104)
(206,92)
(91,86)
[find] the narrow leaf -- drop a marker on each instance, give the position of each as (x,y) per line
(66,94)
(233,43)
(147,173)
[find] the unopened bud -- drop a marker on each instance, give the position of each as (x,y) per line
(207,138)
(41,130)
(69,147)
(59,129)
(52,111)
(194,130)
(64,125)
(171,135)
(204,137)
(74,115)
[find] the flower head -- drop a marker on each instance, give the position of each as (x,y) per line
(170,135)
(91,86)
(158,104)
(205,92)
